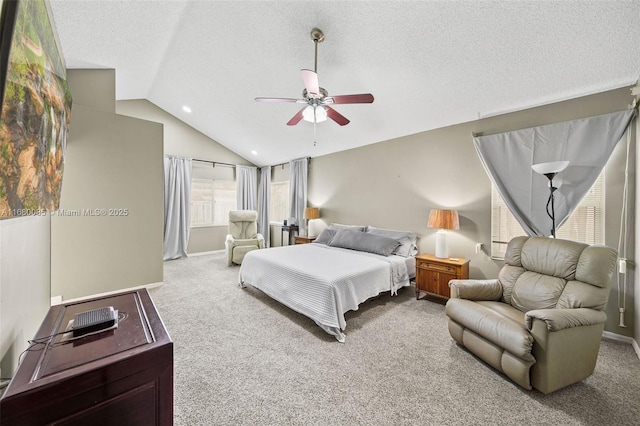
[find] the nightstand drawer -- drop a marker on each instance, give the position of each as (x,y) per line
(437,266)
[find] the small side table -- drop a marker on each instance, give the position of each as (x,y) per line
(303,239)
(290,230)
(433,274)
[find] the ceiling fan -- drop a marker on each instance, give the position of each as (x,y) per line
(316,98)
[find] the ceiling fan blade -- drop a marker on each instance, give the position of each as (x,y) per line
(364,98)
(296,118)
(310,79)
(277,100)
(336,116)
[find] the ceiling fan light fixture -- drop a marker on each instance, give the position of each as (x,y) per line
(317,98)
(320,116)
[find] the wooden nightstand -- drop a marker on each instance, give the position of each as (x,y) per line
(433,274)
(303,239)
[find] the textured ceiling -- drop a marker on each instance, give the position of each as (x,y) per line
(429,64)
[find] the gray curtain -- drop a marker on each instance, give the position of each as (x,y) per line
(247,187)
(177,206)
(263,208)
(298,190)
(586,143)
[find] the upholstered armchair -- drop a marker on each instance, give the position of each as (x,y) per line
(243,235)
(541,321)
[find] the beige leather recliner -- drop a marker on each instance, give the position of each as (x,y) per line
(243,235)
(540,322)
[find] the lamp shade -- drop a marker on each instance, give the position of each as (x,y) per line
(311,213)
(550,167)
(443,219)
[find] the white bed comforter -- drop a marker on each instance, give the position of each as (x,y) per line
(322,282)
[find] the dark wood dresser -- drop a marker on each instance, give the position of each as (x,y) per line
(122,376)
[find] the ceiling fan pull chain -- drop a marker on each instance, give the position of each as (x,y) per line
(314,127)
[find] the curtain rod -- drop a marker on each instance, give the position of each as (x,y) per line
(233,165)
(284,164)
(635,106)
(215,162)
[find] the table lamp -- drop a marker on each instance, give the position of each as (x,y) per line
(311,213)
(443,220)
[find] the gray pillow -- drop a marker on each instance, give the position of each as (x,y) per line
(325,236)
(361,241)
(407,240)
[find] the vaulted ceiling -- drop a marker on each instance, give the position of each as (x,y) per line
(429,64)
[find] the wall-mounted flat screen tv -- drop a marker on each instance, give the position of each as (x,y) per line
(36,110)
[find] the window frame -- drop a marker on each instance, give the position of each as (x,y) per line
(222,221)
(286,183)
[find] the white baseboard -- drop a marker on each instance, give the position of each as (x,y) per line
(624,339)
(203,253)
(108,293)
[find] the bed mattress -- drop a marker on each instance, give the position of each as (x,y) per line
(323,282)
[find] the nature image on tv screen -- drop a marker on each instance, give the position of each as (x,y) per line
(36,112)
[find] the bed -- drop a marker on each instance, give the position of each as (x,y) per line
(325,279)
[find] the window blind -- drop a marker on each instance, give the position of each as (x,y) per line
(211,201)
(279,201)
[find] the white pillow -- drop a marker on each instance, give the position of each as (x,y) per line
(361,228)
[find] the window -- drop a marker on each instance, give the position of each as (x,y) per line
(211,201)
(279,201)
(586,223)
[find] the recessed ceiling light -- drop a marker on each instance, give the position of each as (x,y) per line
(254,152)
(186,109)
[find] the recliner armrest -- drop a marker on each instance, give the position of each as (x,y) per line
(560,319)
(475,289)
(260,241)
(228,244)
(245,242)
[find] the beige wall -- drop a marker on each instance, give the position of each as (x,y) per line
(395,183)
(113,163)
(24,284)
(636,284)
(183,140)
(95,88)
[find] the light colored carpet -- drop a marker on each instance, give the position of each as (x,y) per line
(243,358)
